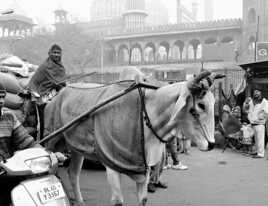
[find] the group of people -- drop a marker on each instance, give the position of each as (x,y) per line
(253,116)
(256,109)
(50,78)
(13,136)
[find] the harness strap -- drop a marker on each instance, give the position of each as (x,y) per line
(146,116)
(142,132)
(38,126)
(196,116)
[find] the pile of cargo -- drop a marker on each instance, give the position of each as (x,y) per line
(12,101)
(15,75)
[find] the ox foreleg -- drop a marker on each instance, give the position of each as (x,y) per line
(141,187)
(74,174)
(114,180)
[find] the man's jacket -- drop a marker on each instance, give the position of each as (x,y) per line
(48,77)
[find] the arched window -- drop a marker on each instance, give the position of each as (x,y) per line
(175,53)
(162,53)
(199,51)
(136,55)
(148,55)
(190,52)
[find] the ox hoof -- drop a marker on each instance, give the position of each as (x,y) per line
(74,203)
(144,201)
(118,204)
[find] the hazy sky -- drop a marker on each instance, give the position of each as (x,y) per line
(42,10)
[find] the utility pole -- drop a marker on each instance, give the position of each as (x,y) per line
(102,54)
(256,38)
(130,55)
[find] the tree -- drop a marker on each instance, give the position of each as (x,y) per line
(80,50)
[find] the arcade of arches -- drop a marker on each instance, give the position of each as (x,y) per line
(6,31)
(146,53)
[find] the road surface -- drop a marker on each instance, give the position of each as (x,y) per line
(213,179)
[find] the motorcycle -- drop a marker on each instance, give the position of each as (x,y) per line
(39,186)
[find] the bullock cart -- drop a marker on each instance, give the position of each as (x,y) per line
(136,84)
(121,140)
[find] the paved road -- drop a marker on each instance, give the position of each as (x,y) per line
(213,179)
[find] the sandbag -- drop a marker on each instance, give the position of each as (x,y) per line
(24,82)
(19,114)
(10,82)
(13,101)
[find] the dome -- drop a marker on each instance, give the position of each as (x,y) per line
(157,13)
(15,12)
(106,9)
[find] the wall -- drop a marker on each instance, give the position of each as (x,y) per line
(219,52)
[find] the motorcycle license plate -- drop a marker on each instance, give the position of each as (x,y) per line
(51,192)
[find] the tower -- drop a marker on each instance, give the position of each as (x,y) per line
(60,19)
(208,10)
(179,12)
(134,15)
(60,16)
(184,14)
(255,28)
(195,9)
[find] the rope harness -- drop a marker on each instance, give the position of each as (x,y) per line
(196,116)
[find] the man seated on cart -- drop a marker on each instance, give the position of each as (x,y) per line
(49,77)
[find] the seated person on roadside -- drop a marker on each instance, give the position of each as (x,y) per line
(230,119)
(236,112)
(257,112)
(49,77)
(13,137)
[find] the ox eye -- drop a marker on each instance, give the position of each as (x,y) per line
(194,113)
(201,106)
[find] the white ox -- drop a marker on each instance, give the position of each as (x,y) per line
(185,105)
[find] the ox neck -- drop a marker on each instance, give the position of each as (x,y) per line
(160,105)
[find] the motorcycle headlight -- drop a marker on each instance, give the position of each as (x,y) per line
(39,165)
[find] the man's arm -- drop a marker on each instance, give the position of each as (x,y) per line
(21,138)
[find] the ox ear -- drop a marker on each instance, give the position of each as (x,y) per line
(25,94)
(195,85)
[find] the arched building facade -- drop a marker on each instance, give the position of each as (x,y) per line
(180,43)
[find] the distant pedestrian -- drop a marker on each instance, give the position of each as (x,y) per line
(257,111)
(155,174)
(172,151)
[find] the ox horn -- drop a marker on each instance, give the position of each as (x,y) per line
(214,76)
(201,76)
(219,76)
(194,85)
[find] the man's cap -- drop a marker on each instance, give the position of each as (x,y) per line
(55,47)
